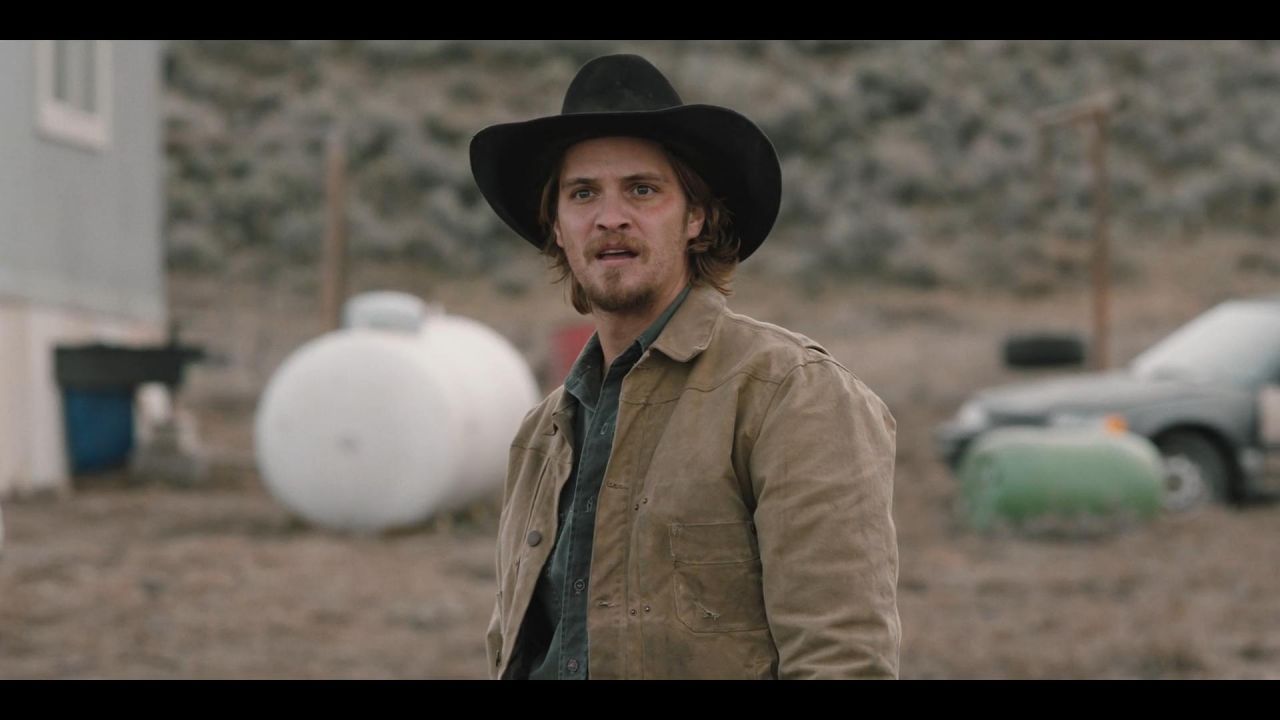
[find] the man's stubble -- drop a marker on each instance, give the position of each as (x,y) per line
(613,298)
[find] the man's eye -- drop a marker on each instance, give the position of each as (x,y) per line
(644,190)
(580,194)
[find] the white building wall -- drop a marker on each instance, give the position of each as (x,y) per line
(33,455)
(81,255)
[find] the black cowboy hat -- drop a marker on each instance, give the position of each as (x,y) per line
(625,95)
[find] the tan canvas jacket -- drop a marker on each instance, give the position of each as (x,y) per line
(743,528)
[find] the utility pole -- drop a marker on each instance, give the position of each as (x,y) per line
(334,268)
(1093,112)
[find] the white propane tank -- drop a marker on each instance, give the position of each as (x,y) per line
(492,381)
(402,414)
(385,309)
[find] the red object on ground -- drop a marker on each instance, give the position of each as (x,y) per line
(567,342)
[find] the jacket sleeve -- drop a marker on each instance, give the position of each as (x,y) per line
(822,471)
(493,639)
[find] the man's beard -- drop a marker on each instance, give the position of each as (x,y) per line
(612,298)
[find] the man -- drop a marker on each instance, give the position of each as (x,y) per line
(706,496)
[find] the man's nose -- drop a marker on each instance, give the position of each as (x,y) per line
(613,214)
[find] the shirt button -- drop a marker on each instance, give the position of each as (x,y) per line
(534,538)
(572,665)
(579,585)
(647,608)
(633,611)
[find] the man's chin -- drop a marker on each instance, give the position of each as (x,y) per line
(622,302)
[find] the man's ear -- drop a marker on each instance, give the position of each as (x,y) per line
(693,226)
(555,228)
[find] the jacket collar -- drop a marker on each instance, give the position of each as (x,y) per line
(689,331)
(686,335)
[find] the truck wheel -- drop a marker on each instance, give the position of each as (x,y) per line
(1195,472)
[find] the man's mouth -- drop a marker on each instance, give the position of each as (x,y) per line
(614,256)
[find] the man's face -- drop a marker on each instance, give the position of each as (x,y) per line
(624,223)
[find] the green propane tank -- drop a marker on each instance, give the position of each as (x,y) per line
(1020,475)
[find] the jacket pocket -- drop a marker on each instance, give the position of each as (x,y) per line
(718,584)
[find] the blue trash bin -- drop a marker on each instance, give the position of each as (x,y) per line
(98,383)
(99,427)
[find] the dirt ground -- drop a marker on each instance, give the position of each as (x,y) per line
(132,577)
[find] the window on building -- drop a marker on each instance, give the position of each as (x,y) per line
(73,92)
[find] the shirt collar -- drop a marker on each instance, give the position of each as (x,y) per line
(653,331)
(586,370)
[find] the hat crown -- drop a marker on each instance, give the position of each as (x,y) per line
(619,83)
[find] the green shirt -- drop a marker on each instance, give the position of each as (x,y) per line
(555,633)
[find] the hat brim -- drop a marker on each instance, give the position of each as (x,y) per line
(511,162)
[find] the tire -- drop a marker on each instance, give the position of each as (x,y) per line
(1196,472)
(1043,350)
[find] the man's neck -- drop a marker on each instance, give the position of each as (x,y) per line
(618,330)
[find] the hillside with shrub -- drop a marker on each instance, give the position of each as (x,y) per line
(912,162)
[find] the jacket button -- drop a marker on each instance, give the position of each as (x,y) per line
(534,538)
(572,665)
(579,585)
